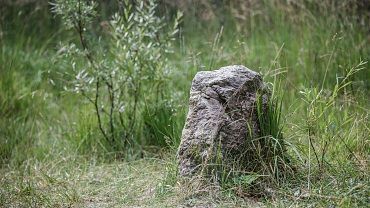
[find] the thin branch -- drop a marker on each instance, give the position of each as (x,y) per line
(80,30)
(83,93)
(96,104)
(313,148)
(111,100)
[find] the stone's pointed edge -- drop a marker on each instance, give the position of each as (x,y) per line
(221,104)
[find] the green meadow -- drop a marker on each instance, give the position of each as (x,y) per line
(94,96)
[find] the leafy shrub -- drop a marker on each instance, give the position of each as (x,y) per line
(129,69)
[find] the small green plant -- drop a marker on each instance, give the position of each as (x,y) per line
(170,178)
(161,123)
(321,107)
(128,71)
(272,154)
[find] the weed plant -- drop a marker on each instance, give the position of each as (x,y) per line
(134,73)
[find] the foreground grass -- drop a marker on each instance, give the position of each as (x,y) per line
(70,182)
(74,182)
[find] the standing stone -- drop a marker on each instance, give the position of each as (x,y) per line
(222,115)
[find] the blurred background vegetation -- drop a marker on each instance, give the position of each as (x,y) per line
(319,49)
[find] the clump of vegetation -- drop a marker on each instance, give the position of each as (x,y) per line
(124,70)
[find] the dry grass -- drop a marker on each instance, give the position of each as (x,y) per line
(80,183)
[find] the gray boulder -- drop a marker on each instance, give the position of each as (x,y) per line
(222,116)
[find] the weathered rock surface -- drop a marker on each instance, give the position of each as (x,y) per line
(222,115)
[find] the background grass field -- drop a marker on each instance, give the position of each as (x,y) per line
(53,154)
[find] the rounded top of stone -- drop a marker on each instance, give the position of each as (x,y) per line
(232,76)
